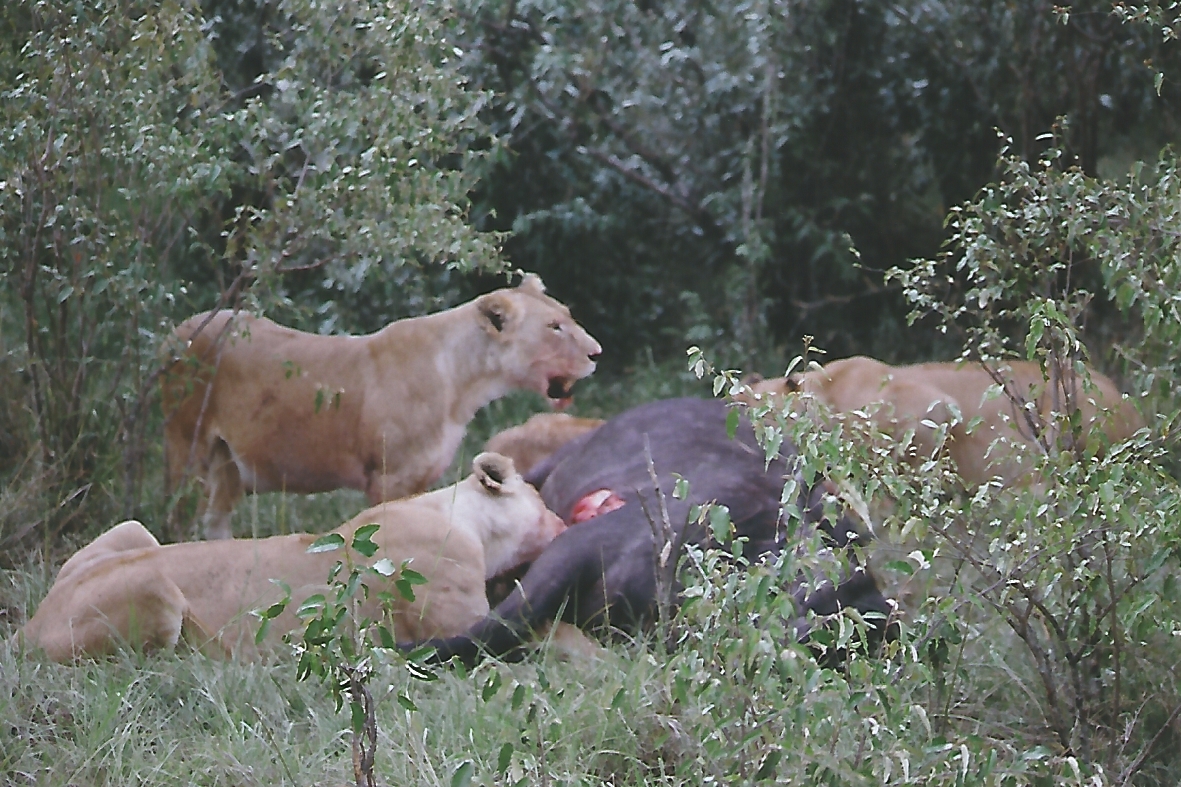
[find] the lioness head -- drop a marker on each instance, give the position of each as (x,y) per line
(541,347)
(538,438)
(517,525)
(760,389)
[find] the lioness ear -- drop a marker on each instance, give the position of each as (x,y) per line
(532,284)
(492,470)
(794,383)
(495,309)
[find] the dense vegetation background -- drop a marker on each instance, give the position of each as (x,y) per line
(736,176)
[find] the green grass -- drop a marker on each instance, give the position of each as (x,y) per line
(718,709)
(184,719)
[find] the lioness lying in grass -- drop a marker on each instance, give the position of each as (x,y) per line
(124,588)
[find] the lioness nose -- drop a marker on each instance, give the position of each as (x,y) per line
(557,524)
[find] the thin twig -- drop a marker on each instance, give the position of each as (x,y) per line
(1130,771)
(663,538)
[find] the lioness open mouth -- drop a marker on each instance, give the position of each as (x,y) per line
(560,392)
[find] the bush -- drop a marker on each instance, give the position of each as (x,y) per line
(141,186)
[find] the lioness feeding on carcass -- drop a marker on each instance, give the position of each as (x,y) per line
(1013,400)
(125,588)
(252,406)
(534,441)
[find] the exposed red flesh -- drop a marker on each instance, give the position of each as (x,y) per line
(593,504)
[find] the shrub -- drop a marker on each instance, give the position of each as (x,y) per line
(139,186)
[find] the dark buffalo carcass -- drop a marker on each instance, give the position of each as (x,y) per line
(602,572)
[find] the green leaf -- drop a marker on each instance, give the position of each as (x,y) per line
(328,543)
(719,523)
(491,686)
(767,769)
(354,583)
(274,610)
(407,703)
(419,672)
(357,711)
(412,576)
(346,648)
(1036,330)
(504,758)
(772,440)
(312,605)
(305,666)
(420,653)
(732,419)
(363,539)
(463,775)
(405,588)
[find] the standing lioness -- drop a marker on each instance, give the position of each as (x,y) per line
(256,407)
(124,588)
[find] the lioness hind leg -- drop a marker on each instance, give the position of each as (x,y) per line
(187,500)
(100,614)
(225,489)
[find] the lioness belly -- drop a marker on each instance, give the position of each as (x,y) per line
(303,471)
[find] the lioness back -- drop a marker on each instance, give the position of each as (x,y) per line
(964,398)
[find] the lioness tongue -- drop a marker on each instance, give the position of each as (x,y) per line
(561,403)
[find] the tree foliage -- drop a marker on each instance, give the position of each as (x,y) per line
(705,170)
(141,184)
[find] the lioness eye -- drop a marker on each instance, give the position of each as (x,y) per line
(556,326)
